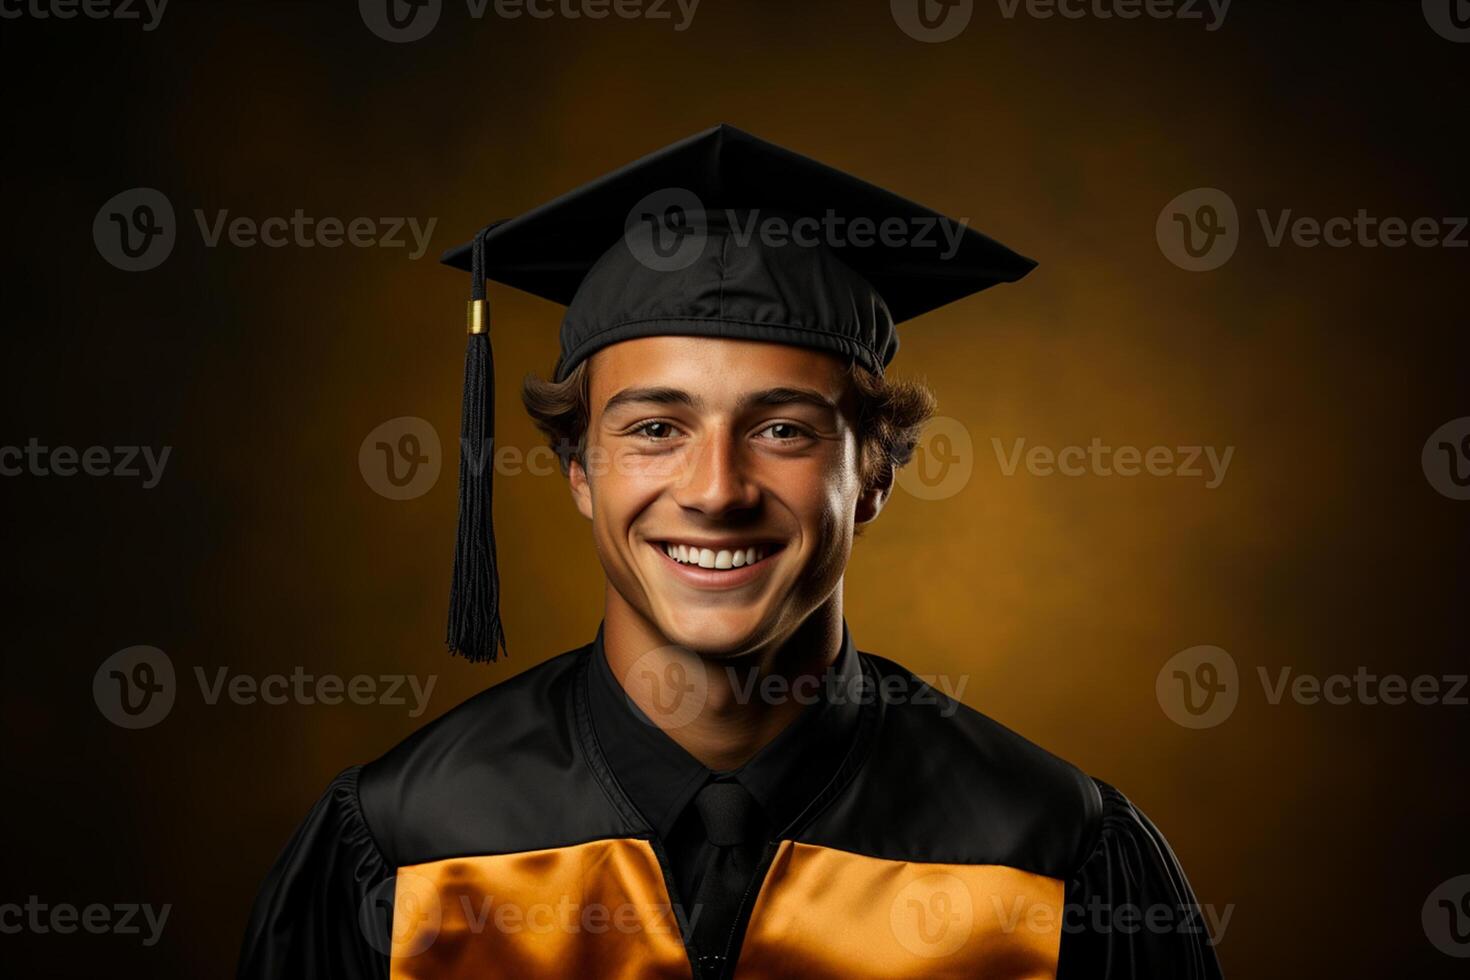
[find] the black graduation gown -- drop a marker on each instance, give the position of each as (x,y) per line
(496,842)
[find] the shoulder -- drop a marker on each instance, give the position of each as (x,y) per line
(501,772)
(942,782)
(526,705)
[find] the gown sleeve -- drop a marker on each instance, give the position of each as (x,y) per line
(316,914)
(1130,913)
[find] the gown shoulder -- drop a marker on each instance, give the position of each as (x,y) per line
(1130,911)
(314,914)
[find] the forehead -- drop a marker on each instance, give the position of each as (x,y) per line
(717,368)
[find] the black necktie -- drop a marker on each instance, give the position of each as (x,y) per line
(735,828)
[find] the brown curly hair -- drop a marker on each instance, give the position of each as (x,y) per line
(890,418)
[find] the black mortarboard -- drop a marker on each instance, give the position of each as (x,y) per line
(721,234)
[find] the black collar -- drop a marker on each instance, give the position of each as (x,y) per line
(660,778)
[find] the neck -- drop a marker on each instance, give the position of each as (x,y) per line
(724,720)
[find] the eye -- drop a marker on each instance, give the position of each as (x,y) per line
(654,430)
(784,431)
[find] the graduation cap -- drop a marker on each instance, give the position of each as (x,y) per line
(721,234)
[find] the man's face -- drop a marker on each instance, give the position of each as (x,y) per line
(712,452)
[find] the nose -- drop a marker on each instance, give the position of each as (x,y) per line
(715,481)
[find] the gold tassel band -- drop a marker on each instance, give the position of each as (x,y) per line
(476,320)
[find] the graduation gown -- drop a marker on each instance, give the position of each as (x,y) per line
(498,841)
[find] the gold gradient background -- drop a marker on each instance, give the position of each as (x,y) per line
(1057,599)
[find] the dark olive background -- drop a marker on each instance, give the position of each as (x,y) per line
(264,549)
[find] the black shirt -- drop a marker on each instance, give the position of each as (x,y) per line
(663,780)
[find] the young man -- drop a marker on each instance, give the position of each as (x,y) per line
(720,784)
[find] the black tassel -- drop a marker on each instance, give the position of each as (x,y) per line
(475,632)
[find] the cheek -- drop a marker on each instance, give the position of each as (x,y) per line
(622,488)
(824,496)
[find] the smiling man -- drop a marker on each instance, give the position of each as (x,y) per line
(720,784)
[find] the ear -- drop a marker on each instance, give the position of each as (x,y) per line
(581,488)
(870,502)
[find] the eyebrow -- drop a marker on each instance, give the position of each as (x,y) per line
(678,396)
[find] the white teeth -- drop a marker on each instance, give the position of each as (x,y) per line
(709,558)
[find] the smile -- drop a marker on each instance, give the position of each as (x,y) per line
(721,558)
(717,565)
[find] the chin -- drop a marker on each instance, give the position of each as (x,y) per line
(714,633)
